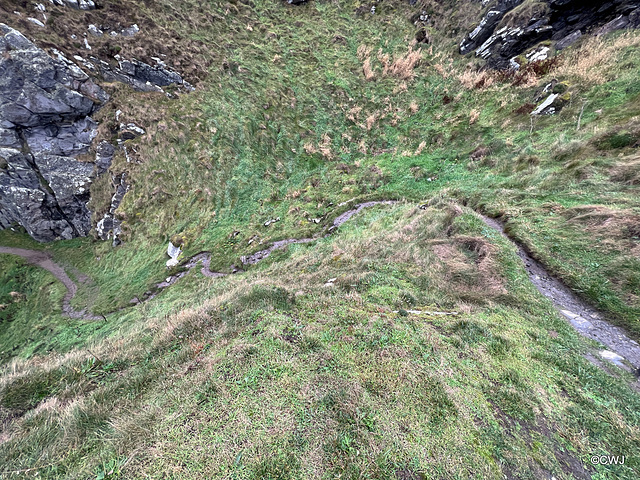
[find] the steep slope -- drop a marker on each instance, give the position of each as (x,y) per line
(410,343)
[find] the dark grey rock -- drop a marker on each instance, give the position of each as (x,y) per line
(487,25)
(45,105)
(69,181)
(617,23)
(568,40)
(564,21)
(9,138)
(26,201)
(141,76)
(130,31)
(634,18)
(67,139)
(104,156)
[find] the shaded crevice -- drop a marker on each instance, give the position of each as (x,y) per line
(50,199)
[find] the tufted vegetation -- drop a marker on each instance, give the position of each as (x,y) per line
(300,113)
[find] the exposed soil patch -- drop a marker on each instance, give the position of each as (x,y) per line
(622,350)
(43,260)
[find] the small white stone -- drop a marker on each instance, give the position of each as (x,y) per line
(612,357)
(36,21)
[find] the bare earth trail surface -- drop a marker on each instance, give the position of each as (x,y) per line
(621,350)
(43,260)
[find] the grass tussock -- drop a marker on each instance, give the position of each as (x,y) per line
(471,79)
(400,66)
(592,62)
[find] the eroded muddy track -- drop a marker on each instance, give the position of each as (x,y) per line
(44,260)
(621,350)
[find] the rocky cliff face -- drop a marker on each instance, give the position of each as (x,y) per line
(510,27)
(45,124)
(46,103)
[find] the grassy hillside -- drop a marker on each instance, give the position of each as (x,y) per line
(273,374)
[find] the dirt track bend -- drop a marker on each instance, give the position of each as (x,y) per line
(623,351)
(43,260)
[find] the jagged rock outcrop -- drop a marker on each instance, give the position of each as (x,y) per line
(109,226)
(140,75)
(45,123)
(77,4)
(510,27)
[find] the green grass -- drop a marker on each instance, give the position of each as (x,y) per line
(271,374)
(275,375)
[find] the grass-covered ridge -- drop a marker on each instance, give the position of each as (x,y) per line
(276,375)
(272,374)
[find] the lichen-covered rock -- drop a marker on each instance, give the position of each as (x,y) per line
(553,103)
(77,4)
(141,76)
(109,227)
(511,27)
(45,105)
(487,25)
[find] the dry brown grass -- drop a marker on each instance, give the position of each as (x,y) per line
(471,79)
(353,113)
(369,74)
(324,147)
(615,224)
(441,70)
(399,66)
(593,61)
(403,66)
(627,170)
(474,115)
(371,120)
(476,275)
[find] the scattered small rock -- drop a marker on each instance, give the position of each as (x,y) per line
(174,252)
(271,221)
(35,21)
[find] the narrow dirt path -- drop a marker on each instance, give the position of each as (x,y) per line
(44,260)
(621,350)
